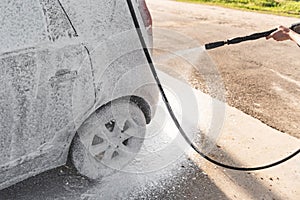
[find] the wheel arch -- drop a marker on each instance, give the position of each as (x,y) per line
(143,105)
(139,101)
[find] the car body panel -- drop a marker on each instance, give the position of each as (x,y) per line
(59,63)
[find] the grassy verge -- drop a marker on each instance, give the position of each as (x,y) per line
(279,7)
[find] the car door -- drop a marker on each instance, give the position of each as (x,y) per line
(46,81)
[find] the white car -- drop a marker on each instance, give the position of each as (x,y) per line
(75,83)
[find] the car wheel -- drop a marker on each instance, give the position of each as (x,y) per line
(109,139)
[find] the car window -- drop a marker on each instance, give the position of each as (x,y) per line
(57,22)
(101,17)
(22,24)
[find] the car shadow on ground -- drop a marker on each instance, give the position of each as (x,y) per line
(193,183)
(190,183)
(65,183)
(62,182)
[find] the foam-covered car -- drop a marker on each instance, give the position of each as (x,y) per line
(74,83)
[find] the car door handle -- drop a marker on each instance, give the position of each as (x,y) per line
(63,75)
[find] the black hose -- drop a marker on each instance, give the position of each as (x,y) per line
(154,73)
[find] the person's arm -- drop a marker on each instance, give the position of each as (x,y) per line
(283,33)
(295,37)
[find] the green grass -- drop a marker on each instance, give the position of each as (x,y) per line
(279,7)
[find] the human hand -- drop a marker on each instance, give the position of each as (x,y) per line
(281,34)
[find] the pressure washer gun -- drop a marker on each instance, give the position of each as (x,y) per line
(255,36)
